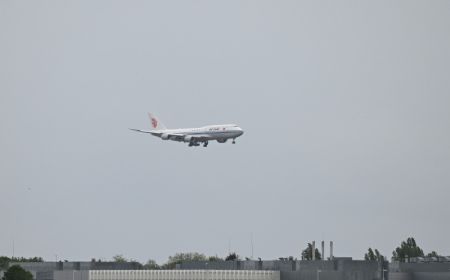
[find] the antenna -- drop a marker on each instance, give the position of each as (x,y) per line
(13,249)
(251,240)
(229,246)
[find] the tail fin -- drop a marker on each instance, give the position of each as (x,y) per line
(155,123)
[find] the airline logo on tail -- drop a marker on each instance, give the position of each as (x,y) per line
(154,123)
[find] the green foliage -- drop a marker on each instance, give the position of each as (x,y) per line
(232,257)
(16,272)
(151,264)
(379,257)
(4,261)
(408,249)
(373,256)
(307,253)
(183,257)
(369,256)
(433,254)
(120,259)
(214,259)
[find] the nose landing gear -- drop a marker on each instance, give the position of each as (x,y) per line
(234,141)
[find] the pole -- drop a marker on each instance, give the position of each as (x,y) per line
(323,250)
(252,243)
(313,253)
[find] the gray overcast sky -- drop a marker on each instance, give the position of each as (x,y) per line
(345,107)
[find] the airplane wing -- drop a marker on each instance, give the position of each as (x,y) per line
(145,131)
(176,136)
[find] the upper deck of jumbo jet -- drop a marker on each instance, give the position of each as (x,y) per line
(221,125)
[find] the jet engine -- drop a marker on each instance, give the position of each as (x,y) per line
(221,140)
(187,138)
(165,136)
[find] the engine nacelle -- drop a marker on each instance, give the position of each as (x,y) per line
(187,138)
(221,140)
(165,136)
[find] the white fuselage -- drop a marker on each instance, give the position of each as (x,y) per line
(221,133)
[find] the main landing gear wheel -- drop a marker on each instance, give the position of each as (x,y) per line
(205,144)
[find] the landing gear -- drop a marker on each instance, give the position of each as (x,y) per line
(205,144)
(234,141)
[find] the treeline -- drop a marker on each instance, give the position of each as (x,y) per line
(4,261)
(407,250)
(404,252)
(179,258)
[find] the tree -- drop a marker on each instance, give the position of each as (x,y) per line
(214,259)
(232,257)
(433,254)
(120,259)
(151,264)
(307,253)
(407,249)
(369,256)
(4,261)
(379,257)
(16,272)
(373,256)
(183,257)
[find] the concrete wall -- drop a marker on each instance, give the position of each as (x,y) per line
(360,270)
(218,265)
(339,268)
(431,276)
(312,275)
(241,265)
(70,275)
(419,267)
(317,265)
(419,276)
(400,276)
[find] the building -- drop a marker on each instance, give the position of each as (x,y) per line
(283,269)
(433,270)
(338,269)
(335,269)
(183,275)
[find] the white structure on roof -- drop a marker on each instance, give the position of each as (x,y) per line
(184,275)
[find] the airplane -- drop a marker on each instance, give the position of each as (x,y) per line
(193,136)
